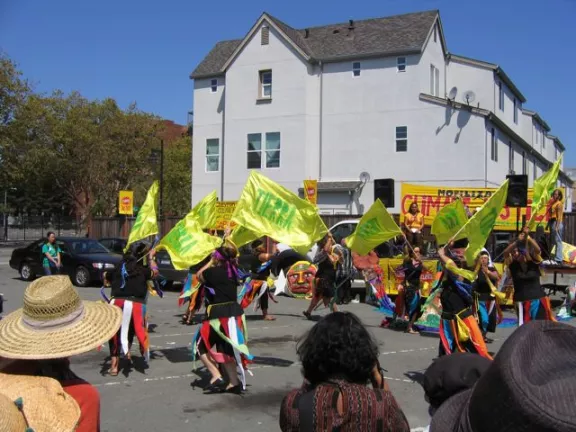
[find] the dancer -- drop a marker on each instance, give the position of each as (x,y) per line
(523,260)
(192,292)
(129,292)
(325,276)
(459,331)
(557,225)
(408,299)
(221,338)
(485,306)
(258,287)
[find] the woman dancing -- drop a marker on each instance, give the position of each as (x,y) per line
(459,331)
(523,260)
(326,261)
(260,266)
(129,292)
(221,338)
(409,293)
(486,307)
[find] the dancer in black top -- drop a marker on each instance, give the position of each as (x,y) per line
(326,262)
(408,303)
(486,307)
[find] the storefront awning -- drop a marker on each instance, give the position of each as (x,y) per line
(336,186)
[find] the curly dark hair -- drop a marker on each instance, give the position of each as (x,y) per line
(338,346)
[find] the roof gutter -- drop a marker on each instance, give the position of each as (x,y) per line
(336,59)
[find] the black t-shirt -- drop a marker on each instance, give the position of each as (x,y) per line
(132,286)
(526,281)
(255,264)
(412,272)
(481,286)
(452,301)
(326,269)
(225,288)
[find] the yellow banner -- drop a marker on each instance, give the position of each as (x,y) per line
(311,191)
(224,212)
(431,199)
(126,203)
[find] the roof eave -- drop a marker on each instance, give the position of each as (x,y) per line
(336,59)
(502,75)
(194,76)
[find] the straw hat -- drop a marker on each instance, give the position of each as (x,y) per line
(56,323)
(38,403)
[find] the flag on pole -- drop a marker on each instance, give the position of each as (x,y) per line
(205,211)
(375,227)
(187,244)
(266,208)
(543,188)
(481,224)
(146,224)
(241,236)
(448,222)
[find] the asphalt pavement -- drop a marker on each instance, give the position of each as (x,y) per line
(164,397)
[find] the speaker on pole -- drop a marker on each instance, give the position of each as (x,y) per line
(517,190)
(384,191)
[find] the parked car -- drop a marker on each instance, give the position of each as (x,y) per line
(83,259)
(165,267)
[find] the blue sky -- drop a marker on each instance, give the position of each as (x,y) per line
(144,50)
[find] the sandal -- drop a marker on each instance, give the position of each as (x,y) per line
(307,314)
(218,386)
(411,331)
(113,372)
(269,318)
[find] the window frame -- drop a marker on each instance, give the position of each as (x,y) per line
(500,96)
(534,177)
(214,85)
(515,111)
(524,164)
(401,66)
(262,85)
(510,157)
(264,150)
(265,35)
(434,80)
(400,139)
(356,71)
(207,155)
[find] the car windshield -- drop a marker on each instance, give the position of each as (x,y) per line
(83,247)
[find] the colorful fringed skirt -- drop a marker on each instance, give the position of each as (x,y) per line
(134,323)
(460,333)
(223,336)
(537,309)
(258,291)
(488,313)
(408,303)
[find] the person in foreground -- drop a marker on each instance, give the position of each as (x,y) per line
(221,338)
(339,358)
(529,387)
(54,325)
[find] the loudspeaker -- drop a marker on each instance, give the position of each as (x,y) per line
(517,191)
(384,190)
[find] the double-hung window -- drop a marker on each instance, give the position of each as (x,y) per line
(356,67)
(401,64)
(493,145)
(265,84)
(401,138)
(434,81)
(212,155)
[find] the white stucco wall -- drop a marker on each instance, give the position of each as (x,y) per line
(466,77)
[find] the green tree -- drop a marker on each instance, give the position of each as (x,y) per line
(178,176)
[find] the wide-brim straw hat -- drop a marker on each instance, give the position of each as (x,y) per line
(38,403)
(56,323)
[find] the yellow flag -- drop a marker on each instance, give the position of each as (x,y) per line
(146,224)
(187,244)
(205,211)
(543,188)
(448,222)
(266,208)
(241,236)
(375,227)
(481,224)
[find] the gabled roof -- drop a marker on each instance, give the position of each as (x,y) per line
(537,117)
(400,34)
(497,70)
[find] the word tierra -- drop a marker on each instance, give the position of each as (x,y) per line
(274,209)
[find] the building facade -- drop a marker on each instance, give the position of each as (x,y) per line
(350,103)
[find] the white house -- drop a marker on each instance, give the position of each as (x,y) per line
(379,96)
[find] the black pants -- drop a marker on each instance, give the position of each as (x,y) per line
(344,288)
(264,300)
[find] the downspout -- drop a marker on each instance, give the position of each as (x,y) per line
(486,155)
(320,120)
(222,146)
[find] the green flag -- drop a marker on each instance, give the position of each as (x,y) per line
(146,224)
(187,244)
(375,227)
(543,188)
(205,211)
(448,221)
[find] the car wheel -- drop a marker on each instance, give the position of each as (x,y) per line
(82,277)
(26,272)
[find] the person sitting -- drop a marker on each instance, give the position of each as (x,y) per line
(339,358)
(75,327)
(528,387)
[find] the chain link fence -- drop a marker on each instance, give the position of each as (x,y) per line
(26,228)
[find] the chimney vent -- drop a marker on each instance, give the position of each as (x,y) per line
(351,24)
(306,33)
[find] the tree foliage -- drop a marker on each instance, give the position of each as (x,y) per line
(65,151)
